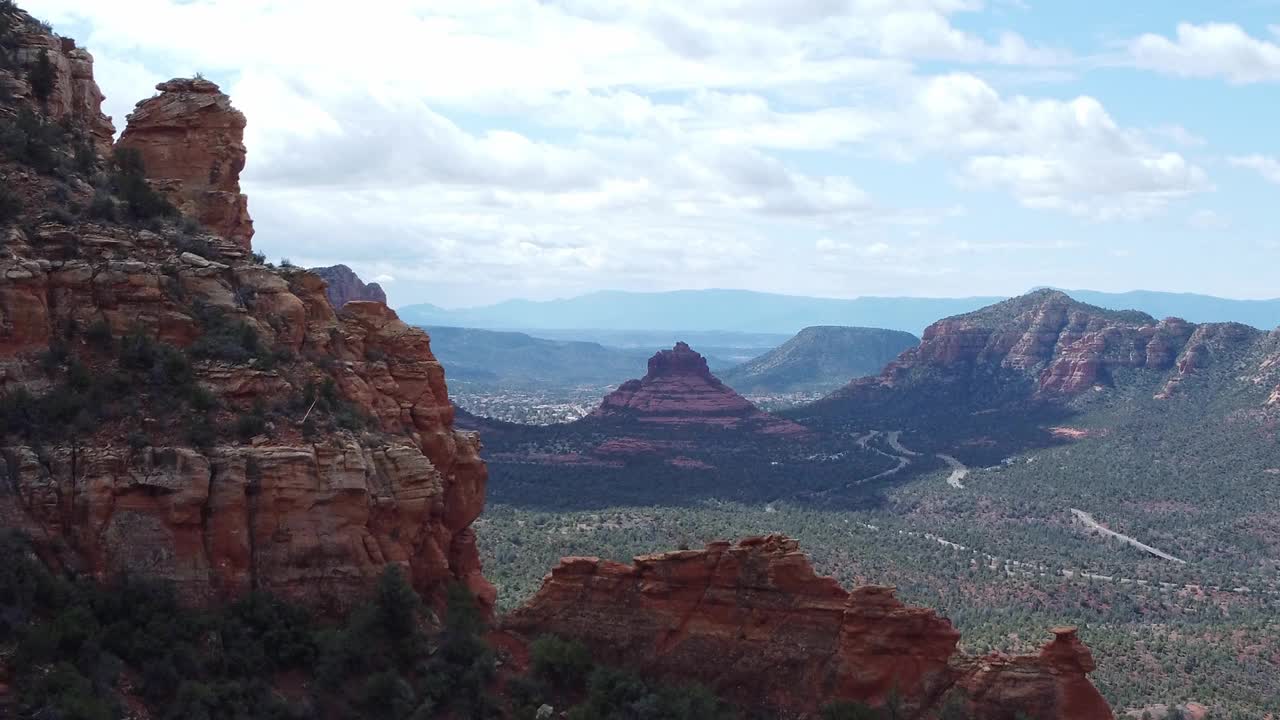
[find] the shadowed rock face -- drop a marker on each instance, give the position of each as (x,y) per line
(679,390)
(756,623)
(344,286)
(192,143)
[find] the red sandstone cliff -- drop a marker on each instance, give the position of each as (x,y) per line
(1063,346)
(75,97)
(754,622)
(343,286)
(680,391)
(310,510)
(192,143)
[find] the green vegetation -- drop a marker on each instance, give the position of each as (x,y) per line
(10,204)
(129,182)
(1004,559)
(31,140)
(83,651)
(75,641)
(842,710)
(125,375)
(42,77)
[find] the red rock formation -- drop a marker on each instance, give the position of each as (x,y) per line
(1053,684)
(679,390)
(75,97)
(754,622)
(314,521)
(192,144)
(345,286)
(1065,347)
(311,514)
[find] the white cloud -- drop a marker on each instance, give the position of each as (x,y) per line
(1268,167)
(520,145)
(1210,50)
(1063,155)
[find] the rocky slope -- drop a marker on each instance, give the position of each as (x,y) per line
(172,408)
(680,391)
(1060,347)
(820,358)
(343,286)
(754,622)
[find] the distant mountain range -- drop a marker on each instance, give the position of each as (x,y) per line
(820,359)
(754,312)
(512,358)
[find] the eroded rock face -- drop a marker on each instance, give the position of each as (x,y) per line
(75,97)
(754,622)
(344,286)
(314,521)
(312,512)
(192,143)
(679,390)
(1065,347)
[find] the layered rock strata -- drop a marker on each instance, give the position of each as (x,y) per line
(1066,347)
(192,144)
(758,625)
(679,390)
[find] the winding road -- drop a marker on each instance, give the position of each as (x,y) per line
(958,471)
(1092,524)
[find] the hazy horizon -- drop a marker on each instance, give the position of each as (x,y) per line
(607,290)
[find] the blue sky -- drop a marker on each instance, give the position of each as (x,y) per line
(469,151)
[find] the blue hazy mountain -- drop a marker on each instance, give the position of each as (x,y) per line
(753,312)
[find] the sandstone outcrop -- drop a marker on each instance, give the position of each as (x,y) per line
(192,144)
(344,286)
(312,520)
(74,97)
(162,342)
(1062,346)
(680,391)
(757,624)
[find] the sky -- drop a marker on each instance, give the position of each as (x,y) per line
(464,152)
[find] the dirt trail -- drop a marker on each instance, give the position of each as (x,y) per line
(1092,524)
(958,471)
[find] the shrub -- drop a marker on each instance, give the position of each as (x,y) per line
(30,140)
(224,338)
(85,159)
(848,710)
(10,204)
(130,181)
(99,336)
(103,207)
(250,425)
(563,664)
(387,695)
(42,77)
